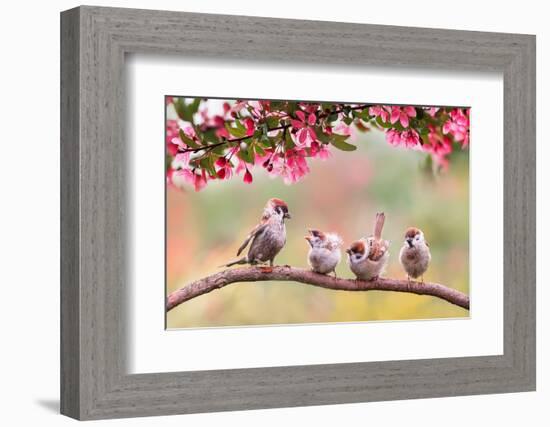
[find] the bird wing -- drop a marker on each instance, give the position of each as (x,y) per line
(257,230)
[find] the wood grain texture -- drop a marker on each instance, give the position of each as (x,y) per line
(287,273)
(70,292)
(95,237)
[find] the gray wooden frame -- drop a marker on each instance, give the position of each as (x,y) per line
(94,41)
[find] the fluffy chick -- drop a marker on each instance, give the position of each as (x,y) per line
(324,252)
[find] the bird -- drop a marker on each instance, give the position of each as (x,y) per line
(368,257)
(268,237)
(324,252)
(415,254)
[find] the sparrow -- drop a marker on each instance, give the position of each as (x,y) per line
(324,252)
(368,257)
(415,254)
(268,237)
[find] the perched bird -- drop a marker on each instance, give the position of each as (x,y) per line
(268,237)
(415,254)
(368,257)
(324,252)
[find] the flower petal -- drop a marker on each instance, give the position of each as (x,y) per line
(297,124)
(395,114)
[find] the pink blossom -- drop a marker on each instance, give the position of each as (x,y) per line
(309,107)
(432,111)
(342,129)
(225,168)
(200,181)
(169,100)
(393,137)
(305,132)
(259,108)
(439,147)
(458,126)
(247,178)
(236,108)
(250,126)
(172,130)
(319,150)
(203,114)
(380,111)
(181,160)
(181,176)
(408,138)
(241,166)
(169,173)
(222,132)
(402,115)
(292,167)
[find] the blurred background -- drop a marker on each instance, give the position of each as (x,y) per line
(341,194)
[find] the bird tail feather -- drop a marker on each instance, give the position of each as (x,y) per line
(242,260)
(378,225)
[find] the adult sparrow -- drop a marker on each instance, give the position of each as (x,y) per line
(368,257)
(268,237)
(415,254)
(324,252)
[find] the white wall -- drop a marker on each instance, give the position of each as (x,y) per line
(29,229)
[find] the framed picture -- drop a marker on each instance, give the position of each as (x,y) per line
(295,213)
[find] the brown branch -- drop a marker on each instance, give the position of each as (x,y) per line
(308,277)
(227,141)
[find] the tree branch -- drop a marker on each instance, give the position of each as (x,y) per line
(308,277)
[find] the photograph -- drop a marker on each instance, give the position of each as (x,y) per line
(293,212)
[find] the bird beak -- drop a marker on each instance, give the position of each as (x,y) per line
(308,238)
(287,215)
(409,242)
(348,251)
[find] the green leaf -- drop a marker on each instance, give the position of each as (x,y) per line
(246,155)
(210,136)
(259,150)
(340,143)
(240,126)
(180,107)
(382,123)
(188,141)
(289,143)
(277,105)
(332,117)
(322,136)
(237,132)
(365,115)
(194,105)
(272,122)
(207,163)
(292,106)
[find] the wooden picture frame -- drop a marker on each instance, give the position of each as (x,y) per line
(94,382)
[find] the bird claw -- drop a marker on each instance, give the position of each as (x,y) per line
(266,269)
